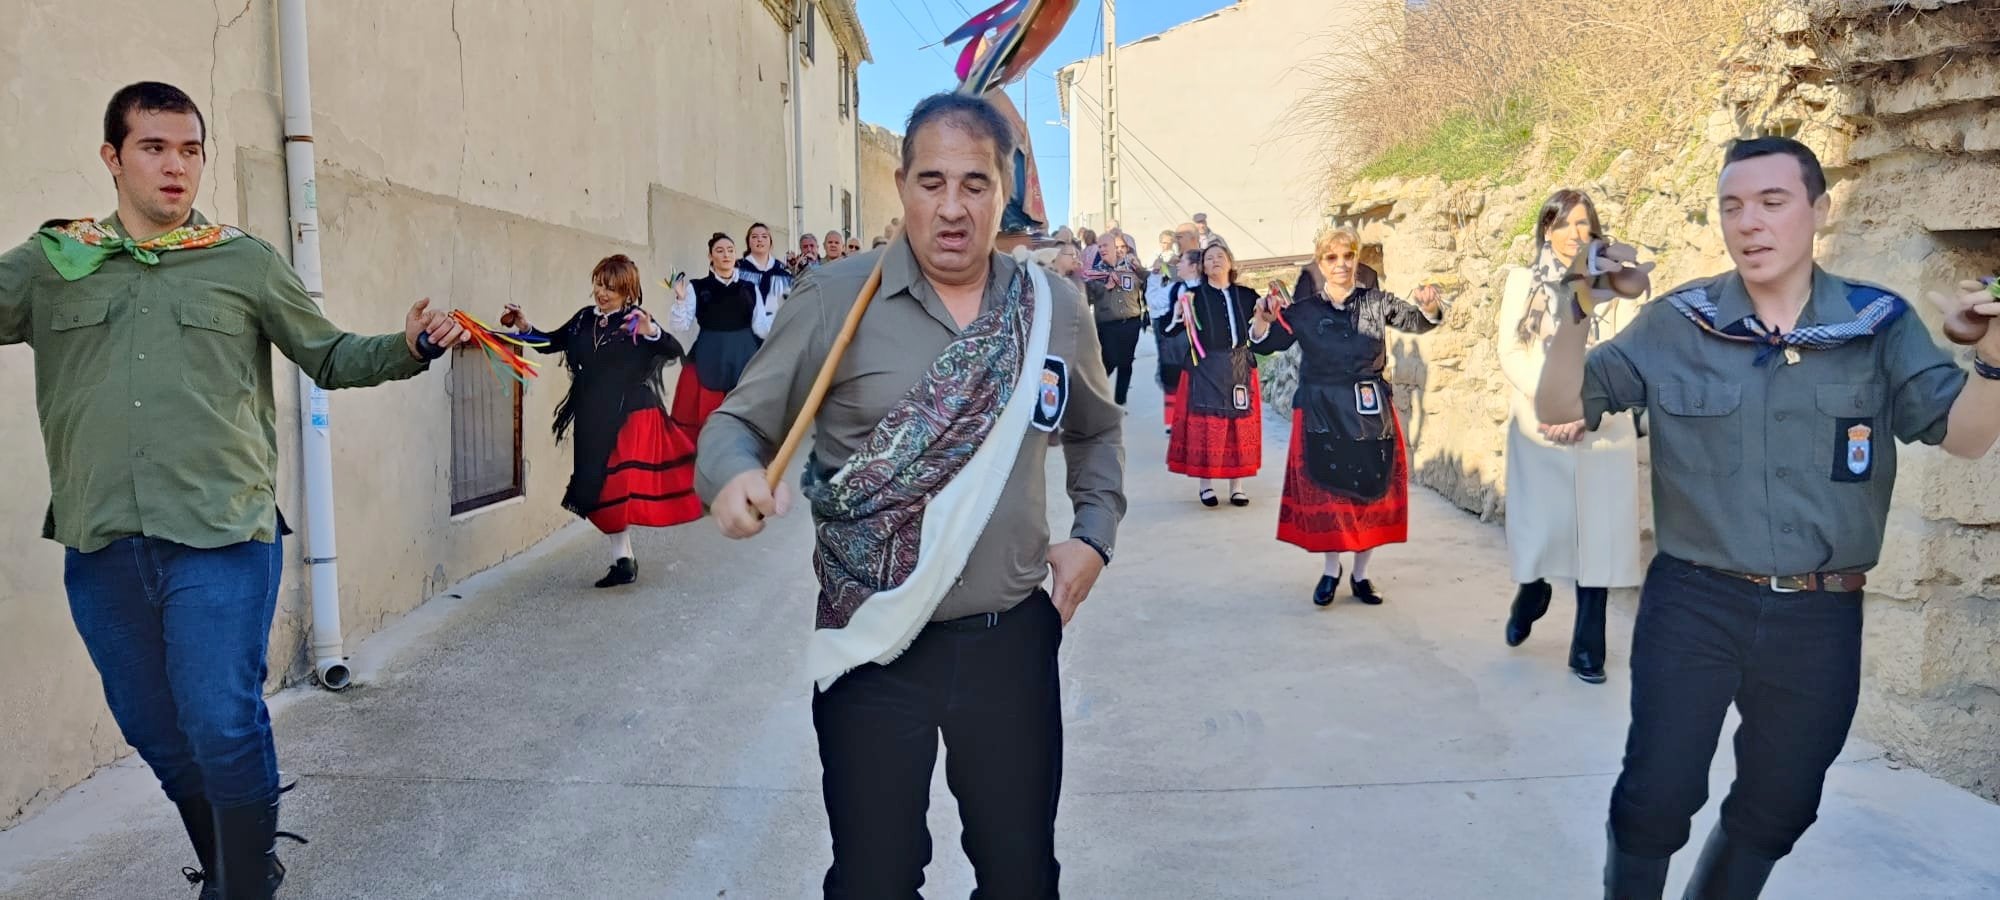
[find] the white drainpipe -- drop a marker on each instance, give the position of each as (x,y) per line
(798,127)
(329,658)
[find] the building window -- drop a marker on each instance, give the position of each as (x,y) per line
(811,36)
(846,213)
(485,433)
(846,85)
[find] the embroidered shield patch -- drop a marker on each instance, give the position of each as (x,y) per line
(1367,398)
(1854,446)
(1053,396)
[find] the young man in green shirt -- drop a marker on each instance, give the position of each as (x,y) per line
(1778,393)
(152,333)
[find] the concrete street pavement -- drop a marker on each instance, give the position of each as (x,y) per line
(532,737)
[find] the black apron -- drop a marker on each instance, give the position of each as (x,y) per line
(1350,451)
(1219,383)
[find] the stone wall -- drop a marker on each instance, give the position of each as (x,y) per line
(881,156)
(1902,102)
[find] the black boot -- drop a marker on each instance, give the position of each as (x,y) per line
(1727,870)
(246,865)
(1531,602)
(1628,877)
(1586,644)
(1364,591)
(199,820)
(624,571)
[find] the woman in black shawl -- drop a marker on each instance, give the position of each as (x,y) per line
(633,465)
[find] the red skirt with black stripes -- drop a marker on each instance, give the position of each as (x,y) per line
(649,479)
(1316,519)
(1204,445)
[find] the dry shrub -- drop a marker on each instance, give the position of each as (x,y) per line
(1600,75)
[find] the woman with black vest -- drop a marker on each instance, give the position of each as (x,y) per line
(1347,481)
(724,303)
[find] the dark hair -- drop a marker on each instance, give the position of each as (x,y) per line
(972,114)
(1226,252)
(620,275)
(1558,207)
(752,229)
(1193,258)
(146,96)
(718,238)
(1555,209)
(1809,167)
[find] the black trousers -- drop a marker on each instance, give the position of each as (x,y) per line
(1792,665)
(1119,342)
(990,687)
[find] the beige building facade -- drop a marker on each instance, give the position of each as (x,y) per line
(477,153)
(1204,116)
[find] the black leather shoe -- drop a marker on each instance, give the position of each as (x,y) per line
(1364,591)
(1208,498)
(1586,644)
(1238,498)
(624,571)
(1727,870)
(1323,595)
(1531,602)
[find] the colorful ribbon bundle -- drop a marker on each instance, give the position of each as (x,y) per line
(1196,350)
(503,350)
(1279,298)
(1025,29)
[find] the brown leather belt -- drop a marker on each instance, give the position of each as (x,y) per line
(1831,582)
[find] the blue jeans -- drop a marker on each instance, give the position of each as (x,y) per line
(179,637)
(1792,665)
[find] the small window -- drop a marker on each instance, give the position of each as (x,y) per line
(485,433)
(807,43)
(846,213)
(846,85)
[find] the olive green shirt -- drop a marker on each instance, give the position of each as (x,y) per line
(153,384)
(1779,469)
(905,329)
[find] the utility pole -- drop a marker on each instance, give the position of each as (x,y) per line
(1111,193)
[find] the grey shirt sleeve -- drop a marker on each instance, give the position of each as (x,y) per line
(1093,438)
(744,433)
(1923,382)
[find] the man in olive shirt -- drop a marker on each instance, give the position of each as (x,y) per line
(152,334)
(1778,393)
(983,669)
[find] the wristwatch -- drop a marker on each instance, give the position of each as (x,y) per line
(1100,548)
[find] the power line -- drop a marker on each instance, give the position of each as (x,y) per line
(919,32)
(1170,168)
(1172,201)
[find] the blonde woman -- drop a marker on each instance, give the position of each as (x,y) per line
(1347,477)
(1572,494)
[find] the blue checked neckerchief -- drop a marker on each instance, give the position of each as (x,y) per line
(1874,310)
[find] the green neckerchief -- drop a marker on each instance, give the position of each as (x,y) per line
(81,247)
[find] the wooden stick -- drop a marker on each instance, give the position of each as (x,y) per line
(775,473)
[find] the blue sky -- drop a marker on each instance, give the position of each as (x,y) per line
(904,72)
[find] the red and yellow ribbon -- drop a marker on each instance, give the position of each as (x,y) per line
(503,350)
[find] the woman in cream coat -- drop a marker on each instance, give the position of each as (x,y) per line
(1572,494)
